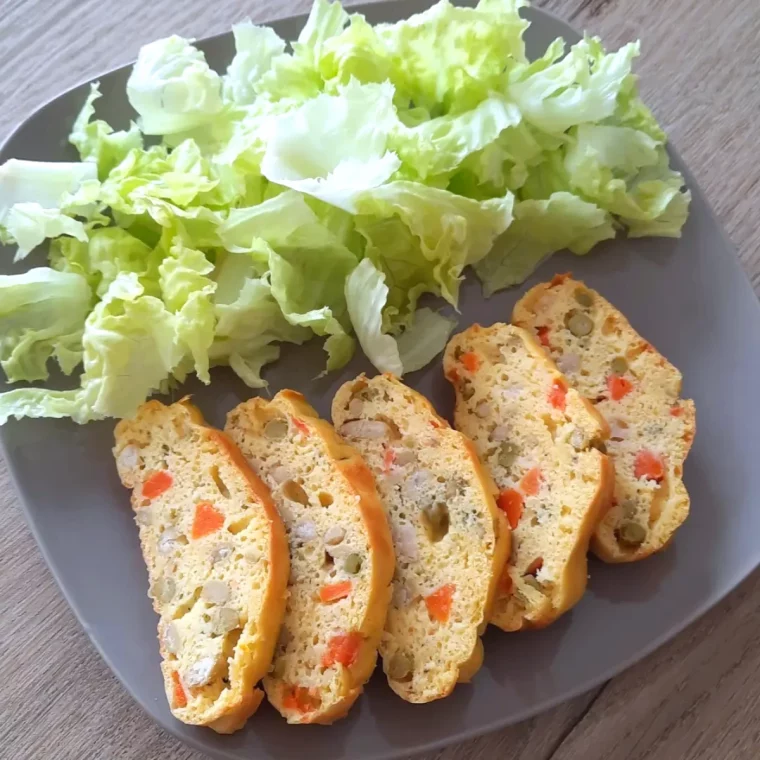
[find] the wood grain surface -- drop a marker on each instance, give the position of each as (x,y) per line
(698,697)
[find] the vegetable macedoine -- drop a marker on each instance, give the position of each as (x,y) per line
(317,191)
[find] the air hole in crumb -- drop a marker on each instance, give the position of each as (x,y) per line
(325,499)
(328,561)
(220,484)
(206,617)
(184,608)
(239,525)
(550,424)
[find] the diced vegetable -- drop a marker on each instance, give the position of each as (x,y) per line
(335,591)
(511,502)
(558,395)
(207,520)
(388,459)
(342,649)
(301,426)
(543,335)
(618,387)
(156,484)
(470,361)
(531,482)
(179,698)
(300,698)
(439,603)
(649,465)
(534,566)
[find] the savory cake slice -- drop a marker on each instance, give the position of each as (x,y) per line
(341,556)
(451,541)
(541,441)
(217,561)
(638,392)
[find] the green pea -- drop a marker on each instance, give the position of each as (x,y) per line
(352,564)
(578,323)
(583,297)
(619,365)
(631,532)
(508,453)
(276,429)
(400,667)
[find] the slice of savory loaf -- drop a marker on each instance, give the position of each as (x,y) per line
(341,556)
(638,391)
(540,440)
(217,560)
(451,541)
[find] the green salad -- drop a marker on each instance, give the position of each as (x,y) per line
(316,188)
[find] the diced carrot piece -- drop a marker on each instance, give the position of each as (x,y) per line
(208,519)
(543,335)
(531,482)
(439,602)
(558,279)
(301,425)
(179,698)
(618,387)
(453,375)
(535,566)
(156,484)
(335,591)
(511,502)
(676,411)
(342,649)
(470,361)
(649,465)
(300,698)
(558,394)
(435,424)
(388,459)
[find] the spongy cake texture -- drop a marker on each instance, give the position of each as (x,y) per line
(638,391)
(341,556)
(450,540)
(217,561)
(541,440)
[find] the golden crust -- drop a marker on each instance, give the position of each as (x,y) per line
(242,698)
(666,511)
(423,408)
(570,586)
(348,462)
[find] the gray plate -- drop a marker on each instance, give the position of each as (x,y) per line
(689,297)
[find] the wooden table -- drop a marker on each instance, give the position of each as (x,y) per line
(697,698)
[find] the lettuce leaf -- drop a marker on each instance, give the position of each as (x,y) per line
(318,190)
(96,140)
(42,314)
(366,296)
(334,147)
(452,231)
(255,47)
(540,228)
(173,88)
(129,349)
